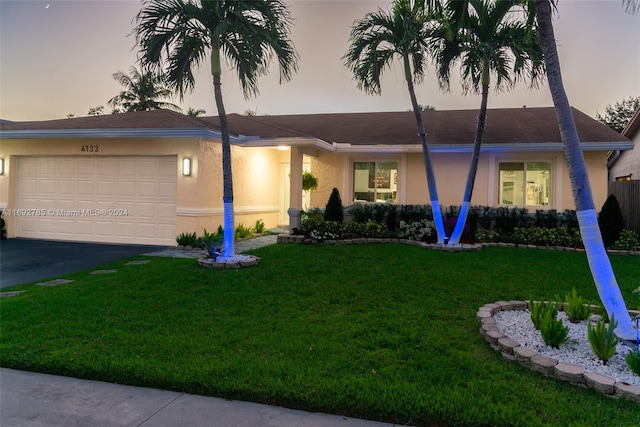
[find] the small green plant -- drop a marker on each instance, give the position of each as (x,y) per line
(334,210)
(637,292)
(259,227)
(628,240)
(538,310)
(553,331)
(207,238)
(633,360)
(602,339)
(243,232)
(575,307)
(187,239)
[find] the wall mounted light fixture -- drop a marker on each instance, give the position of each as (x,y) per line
(186,166)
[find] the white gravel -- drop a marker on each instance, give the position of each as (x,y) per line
(517,325)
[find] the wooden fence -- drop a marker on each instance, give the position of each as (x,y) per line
(628,195)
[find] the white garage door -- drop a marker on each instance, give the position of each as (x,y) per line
(98,199)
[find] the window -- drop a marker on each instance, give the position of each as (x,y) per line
(525,183)
(624,178)
(375,181)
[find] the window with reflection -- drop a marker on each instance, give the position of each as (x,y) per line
(525,183)
(375,182)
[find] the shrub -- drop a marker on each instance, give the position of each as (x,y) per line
(412,213)
(508,219)
(187,239)
(538,310)
(542,236)
(553,332)
(575,307)
(259,227)
(334,210)
(546,218)
(243,232)
(633,360)
(360,212)
(416,230)
(353,229)
(450,225)
(3,230)
(371,229)
(628,240)
(310,223)
(610,221)
(483,235)
(602,339)
(570,219)
(326,230)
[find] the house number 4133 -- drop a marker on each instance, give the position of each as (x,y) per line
(89,149)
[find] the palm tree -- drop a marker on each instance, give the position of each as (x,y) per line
(178,35)
(376,40)
(143,92)
(192,112)
(492,46)
(597,257)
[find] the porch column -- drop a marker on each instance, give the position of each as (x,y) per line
(295,188)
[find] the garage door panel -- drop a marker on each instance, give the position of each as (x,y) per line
(83,227)
(67,167)
(86,166)
(167,189)
(49,167)
(48,186)
(83,192)
(106,188)
(146,210)
(66,186)
(86,187)
(127,188)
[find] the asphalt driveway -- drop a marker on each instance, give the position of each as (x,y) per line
(28,260)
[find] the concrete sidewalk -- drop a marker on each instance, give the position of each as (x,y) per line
(32,399)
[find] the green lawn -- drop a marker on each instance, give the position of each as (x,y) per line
(385,332)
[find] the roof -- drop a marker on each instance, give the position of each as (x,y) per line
(515,128)
(633,126)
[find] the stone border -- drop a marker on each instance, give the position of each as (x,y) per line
(529,358)
(299,239)
(237,261)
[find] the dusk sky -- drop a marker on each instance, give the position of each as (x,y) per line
(58,57)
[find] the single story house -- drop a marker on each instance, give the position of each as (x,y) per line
(146,177)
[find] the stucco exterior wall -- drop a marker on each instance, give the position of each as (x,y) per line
(451,169)
(331,173)
(256,187)
(198,197)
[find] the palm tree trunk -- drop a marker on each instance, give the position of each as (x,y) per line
(431,177)
(475,157)
(599,262)
(227,177)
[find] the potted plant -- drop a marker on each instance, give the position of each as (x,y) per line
(309,182)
